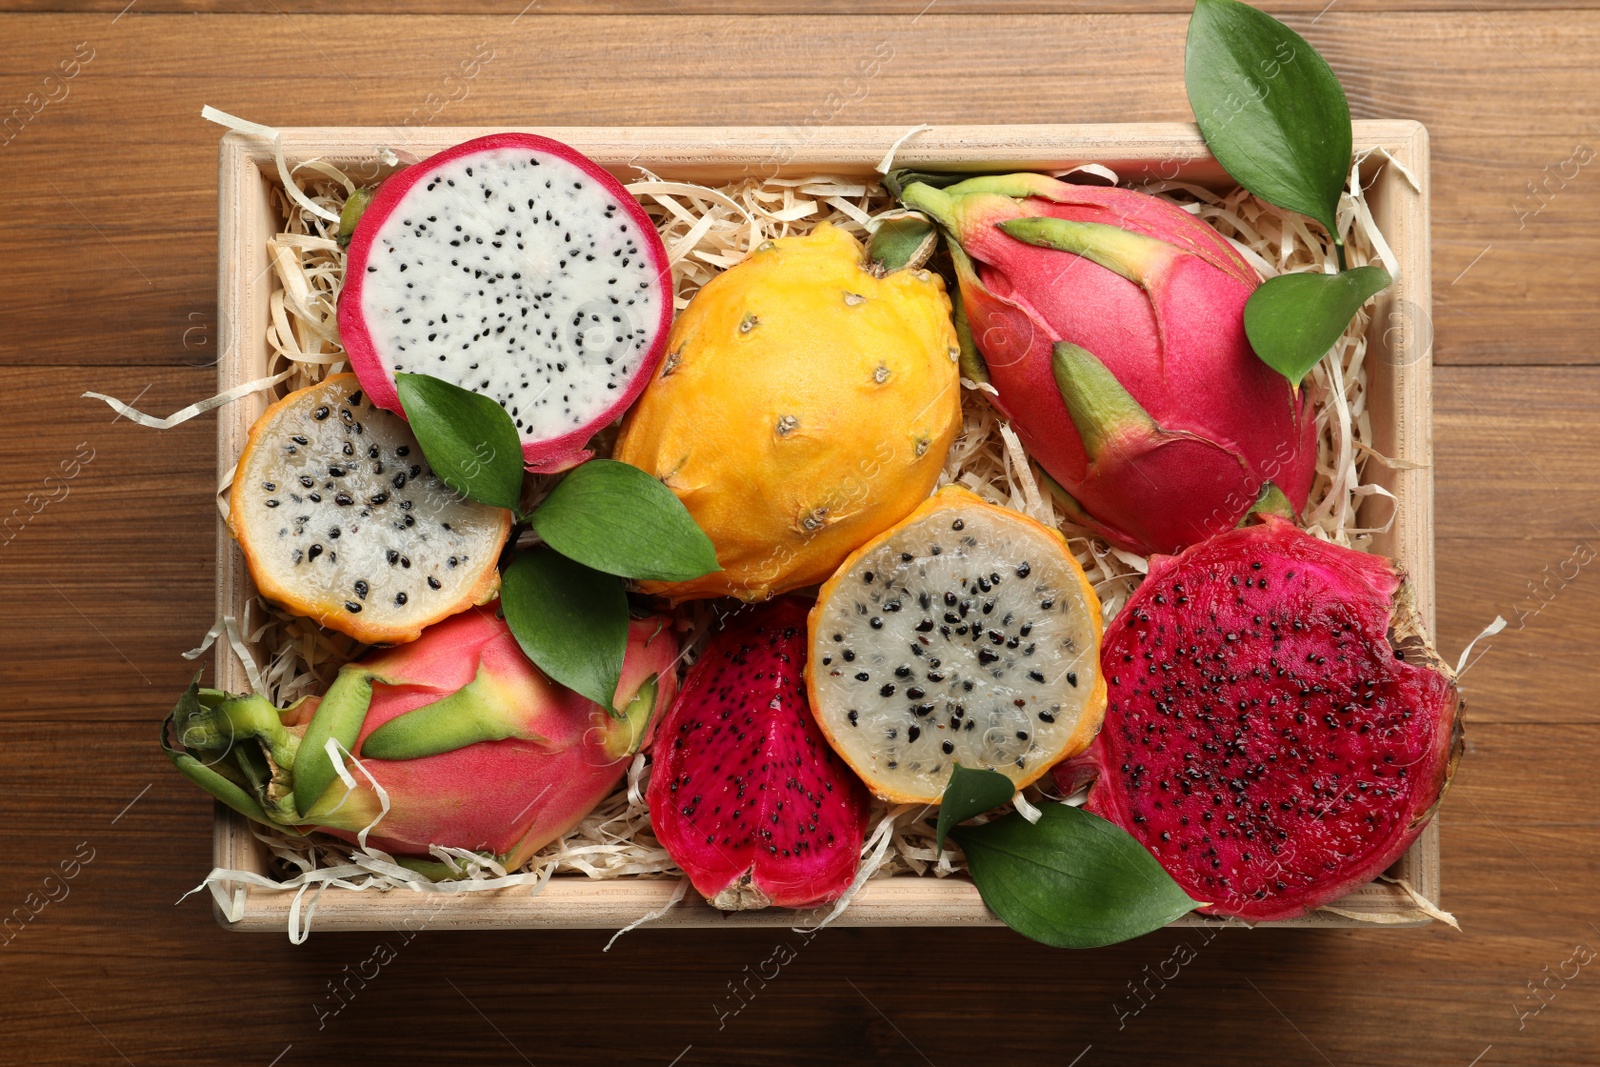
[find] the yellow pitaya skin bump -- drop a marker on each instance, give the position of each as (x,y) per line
(804,406)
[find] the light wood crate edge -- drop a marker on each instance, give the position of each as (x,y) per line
(1399,359)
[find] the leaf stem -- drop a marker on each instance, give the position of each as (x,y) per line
(1338,250)
(509,552)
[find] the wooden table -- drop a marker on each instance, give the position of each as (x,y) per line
(109,239)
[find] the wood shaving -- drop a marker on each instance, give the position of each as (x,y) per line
(707,231)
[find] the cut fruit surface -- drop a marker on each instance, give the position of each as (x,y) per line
(340,519)
(966,633)
(1280,729)
(745,794)
(513,266)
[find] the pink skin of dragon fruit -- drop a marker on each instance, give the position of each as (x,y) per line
(514,266)
(745,794)
(1111,324)
(474,746)
(1278,730)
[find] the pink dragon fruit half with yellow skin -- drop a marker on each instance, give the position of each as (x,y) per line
(1110,324)
(473,745)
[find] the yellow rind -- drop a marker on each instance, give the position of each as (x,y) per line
(328,611)
(804,406)
(949,497)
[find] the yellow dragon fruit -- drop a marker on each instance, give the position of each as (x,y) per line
(805,405)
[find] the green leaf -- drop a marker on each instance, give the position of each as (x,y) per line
(1071,880)
(616,518)
(1292,320)
(1269,108)
(971,791)
(903,241)
(469,440)
(570,620)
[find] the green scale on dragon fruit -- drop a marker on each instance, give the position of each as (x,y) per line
(513,266)
(1111,325)
(474,747)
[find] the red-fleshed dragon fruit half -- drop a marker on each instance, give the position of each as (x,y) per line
(1110,324)
(744,792)
(514,266)
(1279,729)
(475,747)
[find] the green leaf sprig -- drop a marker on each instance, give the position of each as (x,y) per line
(1273,113)
(468,439)
(1070,880)
(970,792)
(603,522)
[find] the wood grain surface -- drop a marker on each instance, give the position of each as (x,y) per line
(109,244)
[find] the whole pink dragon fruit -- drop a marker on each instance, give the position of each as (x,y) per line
(1111,324)
(745,793)
(1279,729)
(474,746)
(514,266)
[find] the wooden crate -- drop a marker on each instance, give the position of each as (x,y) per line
(1398,360)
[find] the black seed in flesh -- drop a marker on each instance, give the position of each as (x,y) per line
(352,607)
(400,599)
(433,583)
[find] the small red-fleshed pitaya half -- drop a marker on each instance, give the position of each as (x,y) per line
(514,266)
(1279,729)
(744,792)
(476,748)
(1111,325)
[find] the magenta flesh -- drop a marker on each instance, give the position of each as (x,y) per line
(745,793)
(1278,729)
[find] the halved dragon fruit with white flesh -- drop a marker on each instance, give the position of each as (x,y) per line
(516,267)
